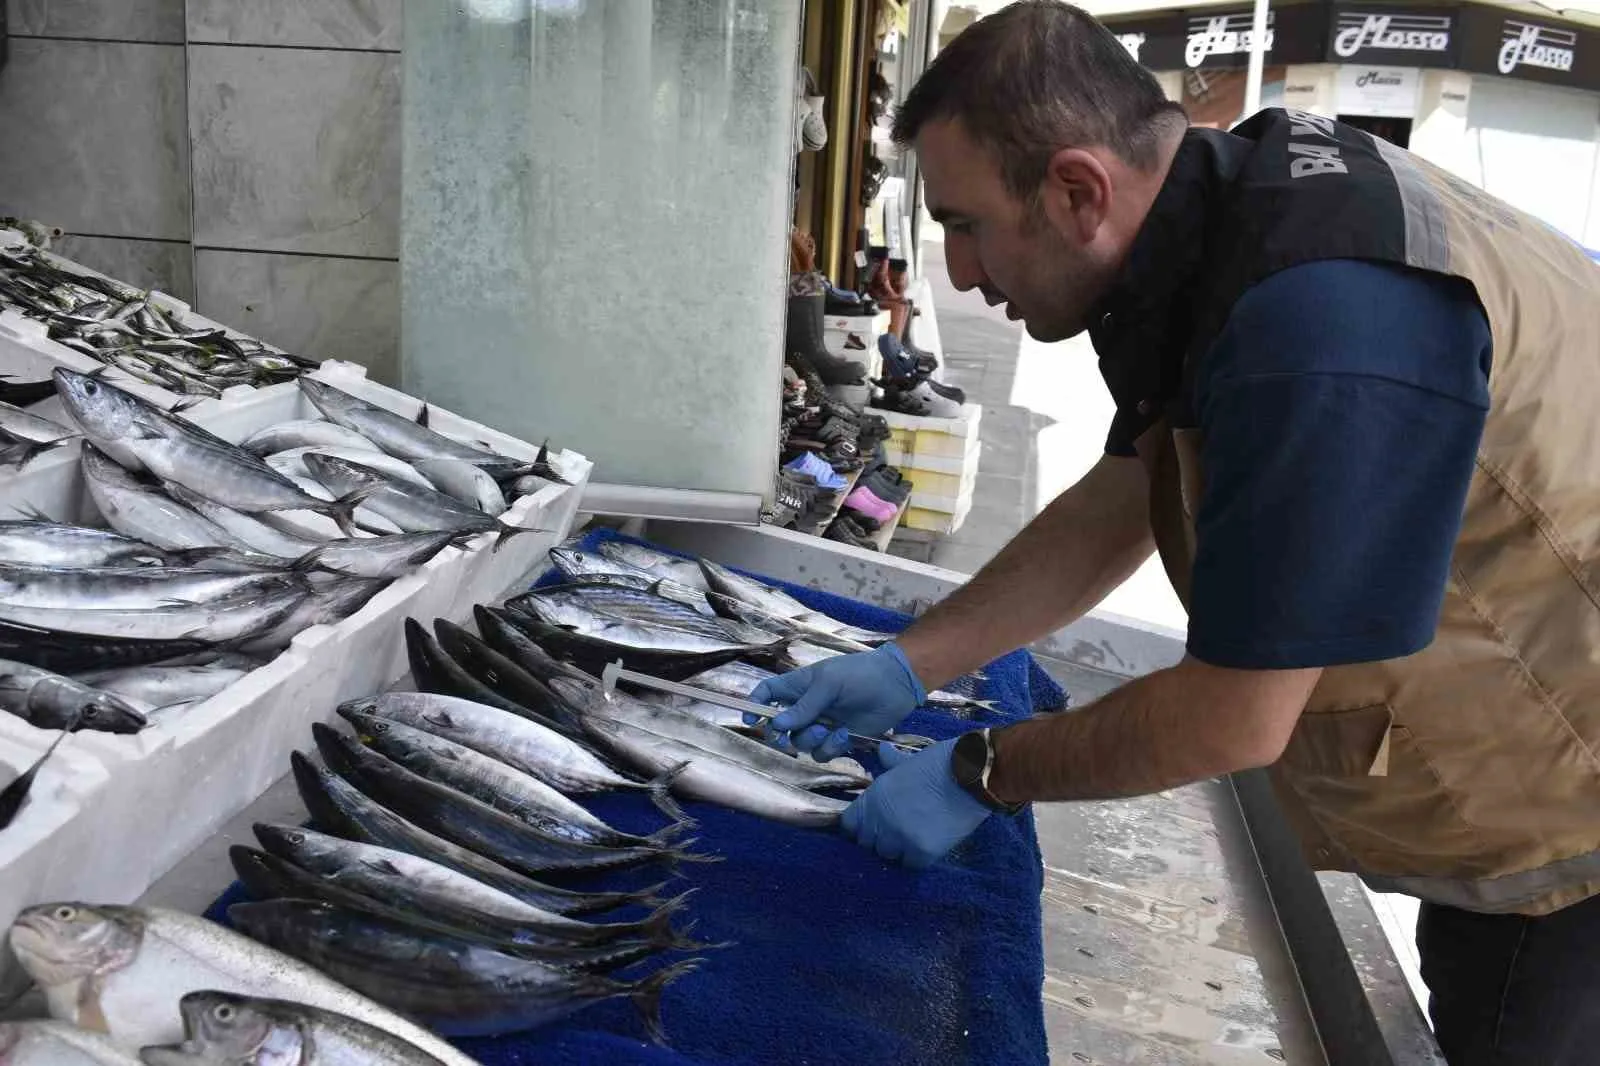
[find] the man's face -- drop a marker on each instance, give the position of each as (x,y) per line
(1009,249)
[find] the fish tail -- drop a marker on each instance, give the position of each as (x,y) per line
(646,996)
(541,466)
(660,789)
(507,532)
(343,509)
(27,453)
(683,940)
(665,838)
(422,415)
(311,560)
(658,927)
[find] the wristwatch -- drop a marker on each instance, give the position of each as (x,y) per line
(971,761)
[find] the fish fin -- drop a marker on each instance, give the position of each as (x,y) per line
(422,415)
(13,795)
(507,532)
(186,403)
(92,1016)
(657,928)
(660,789)
(441,719)
(343,510)
(311,560)
(32,513)
(666,838)
(541,466)
(682,940)
(382,866)
(646,996)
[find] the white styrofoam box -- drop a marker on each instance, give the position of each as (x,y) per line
(943,492)
(865,325)
(169,787)
(839,342)
(938,464)
(936,520)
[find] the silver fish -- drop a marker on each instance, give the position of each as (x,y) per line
(177,451)
(593,701)
(49,1043)
(399,436)
(646,606)
(594,567)
(411,507)
(327,602)
(303,433)
(216,621)
(136,510)
(389,556)
(51,701)
(710,777)
(628,632)
(124,969)
(250,529)
(40,543)
(228,1030)
(777,602)
(121,587)
(683,571)
(27,435)
(163,686)
(294,462)
(463,481)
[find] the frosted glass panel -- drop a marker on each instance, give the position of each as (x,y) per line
(595,226)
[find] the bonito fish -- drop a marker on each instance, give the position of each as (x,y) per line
(49,1043)
(50,701)
(122,971)
(228,1030)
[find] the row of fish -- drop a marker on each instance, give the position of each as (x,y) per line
(126,985)
(120,326)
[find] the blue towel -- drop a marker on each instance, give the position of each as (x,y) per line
(836,957)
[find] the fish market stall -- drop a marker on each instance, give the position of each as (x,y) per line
(1165,925)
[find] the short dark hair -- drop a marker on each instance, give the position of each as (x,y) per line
(1036,77)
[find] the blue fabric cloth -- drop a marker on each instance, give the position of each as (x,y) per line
(1340,410)
(836,957)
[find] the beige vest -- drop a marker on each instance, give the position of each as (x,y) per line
(1469,774)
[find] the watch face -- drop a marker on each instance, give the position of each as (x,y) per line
(968,758)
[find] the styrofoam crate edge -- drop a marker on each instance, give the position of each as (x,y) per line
(936,521)
(935,464)
(929,501)
(964,426)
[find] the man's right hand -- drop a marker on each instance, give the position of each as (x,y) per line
(869,692)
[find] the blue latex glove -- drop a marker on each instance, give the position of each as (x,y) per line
(869,692)
(915,812)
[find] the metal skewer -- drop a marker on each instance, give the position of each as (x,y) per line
(616,672)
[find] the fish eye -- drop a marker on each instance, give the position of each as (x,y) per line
(65,913)
(91,711)
(91,387)
(223,1012)
(296,838)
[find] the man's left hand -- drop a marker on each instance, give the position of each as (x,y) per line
(914,812)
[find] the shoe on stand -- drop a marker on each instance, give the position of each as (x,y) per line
(803,337)
(886,483)
(847,532)
(863,500)
(919,399)
(814,467)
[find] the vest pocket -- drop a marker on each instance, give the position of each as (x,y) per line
(1349,743)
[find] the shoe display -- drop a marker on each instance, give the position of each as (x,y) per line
(803,338)
(926,361)
(846,533)
(897,362)
(920,400)
(854,343)
(884,486)
(862,499)
(814,467)
(949,392)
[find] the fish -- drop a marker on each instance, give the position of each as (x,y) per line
(673,567)
(50,1043)
(559,761)
(221,1029)
(500,785)
(795,629)
(44,543)
(389,556)
(248,529)
(50,701)
(401,437)
(593,701)
(414,884)
(774,601)
(458,817)
(457,655)
(293,462)
(122,970)
(453,986)
(66,652)
(24,393)
(217,621)
(144,513)
(711,778)
(268,877)
(501,632)
(714,713)
(340,807)
(162,686)
(594,568)
(412,508)
(29,434)
(465,482)
(124,587)
(304,433)
(433,670)
(644,606)
(573,614)
(654,650)
(177,451)
(324,604)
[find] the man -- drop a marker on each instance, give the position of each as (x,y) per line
(1356,413)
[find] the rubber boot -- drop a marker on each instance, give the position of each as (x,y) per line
(803,337)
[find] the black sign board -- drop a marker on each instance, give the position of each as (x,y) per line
(1212,38)
(1514,45)
(1155,41)
(1392,36)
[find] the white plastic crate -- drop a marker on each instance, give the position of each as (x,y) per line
(137,804)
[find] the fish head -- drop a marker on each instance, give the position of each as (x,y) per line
(325,398)
(103,410)
(62,944)
(110,713)
(289,843)
(223,1028)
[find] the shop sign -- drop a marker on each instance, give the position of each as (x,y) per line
(1224,35)
(1382,92)
(1155,42)
(1223,38)
(1363,33)
(1495,41)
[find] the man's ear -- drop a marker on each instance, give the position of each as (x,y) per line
(1076,193)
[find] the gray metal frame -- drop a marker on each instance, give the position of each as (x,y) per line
(1348,974)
